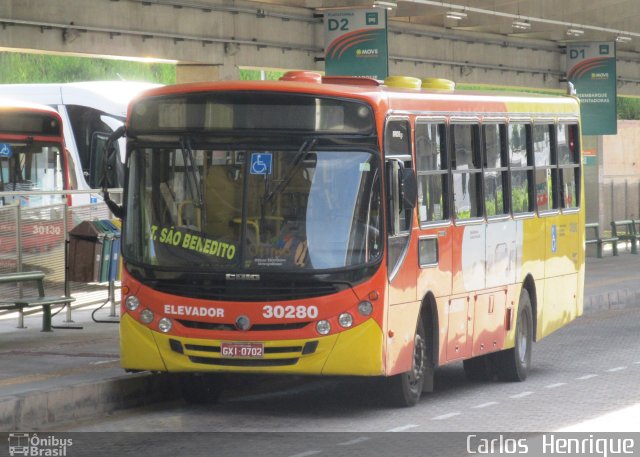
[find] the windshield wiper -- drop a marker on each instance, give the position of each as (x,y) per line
(192,175)
(302,154)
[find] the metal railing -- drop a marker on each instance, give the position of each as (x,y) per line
(35,236)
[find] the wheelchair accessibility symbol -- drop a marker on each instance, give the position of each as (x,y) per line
(260,163)
(5,150)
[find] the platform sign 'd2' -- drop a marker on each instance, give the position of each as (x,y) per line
(356,43)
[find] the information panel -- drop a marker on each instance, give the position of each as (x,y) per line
(356,43)
(591,67)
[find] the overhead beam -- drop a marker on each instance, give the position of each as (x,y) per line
(219,36)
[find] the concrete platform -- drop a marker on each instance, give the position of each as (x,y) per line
(49,378)
(64,375)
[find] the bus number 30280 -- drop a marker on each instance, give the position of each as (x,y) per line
(289,312)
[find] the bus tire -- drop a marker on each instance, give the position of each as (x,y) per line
(513,364)
(478,368)
(201,388)
(404,389)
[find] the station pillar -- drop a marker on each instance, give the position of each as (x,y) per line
(195,72)
(592,165)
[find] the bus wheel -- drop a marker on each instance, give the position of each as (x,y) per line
(513,364)
(405,388)
(201,388)
(478,368)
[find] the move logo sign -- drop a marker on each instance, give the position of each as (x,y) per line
(366,52)
(356,43)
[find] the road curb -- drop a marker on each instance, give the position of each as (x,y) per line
(81,401)
(615,299)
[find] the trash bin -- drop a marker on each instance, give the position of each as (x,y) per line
(94,252)
(110,250)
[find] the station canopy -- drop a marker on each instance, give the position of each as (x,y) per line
(564,22)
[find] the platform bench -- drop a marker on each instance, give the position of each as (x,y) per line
(592,235)
(625,231)
(20,303)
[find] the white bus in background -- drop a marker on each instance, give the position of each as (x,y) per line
(90,112)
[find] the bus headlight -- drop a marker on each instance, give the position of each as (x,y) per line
(146,316)
(365,308)
(165,324)
(345,320)
(132,303)
(323,327)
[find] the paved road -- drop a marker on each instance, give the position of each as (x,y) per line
(585,377)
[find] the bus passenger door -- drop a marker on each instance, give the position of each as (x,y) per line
(564,245)
(401,247)
(401,263)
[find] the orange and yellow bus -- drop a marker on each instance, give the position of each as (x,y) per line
(347,226)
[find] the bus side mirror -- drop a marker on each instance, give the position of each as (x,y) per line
(117,210)
(114,171)
(408,187)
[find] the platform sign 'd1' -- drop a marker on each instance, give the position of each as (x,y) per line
(591,67)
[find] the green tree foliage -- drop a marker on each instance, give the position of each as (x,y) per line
(41,68)
(628,108)
(254,75)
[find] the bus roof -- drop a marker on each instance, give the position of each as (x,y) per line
(452,102)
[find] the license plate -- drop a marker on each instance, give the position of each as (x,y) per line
(250,350)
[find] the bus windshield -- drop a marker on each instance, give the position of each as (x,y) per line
(274,208)
(30,166)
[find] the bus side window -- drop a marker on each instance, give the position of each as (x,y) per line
(521,168)
(466,171)
(546,169)
(495,169)
(397,138)
(397,141)
(397,145)
(432,171)
(568,150)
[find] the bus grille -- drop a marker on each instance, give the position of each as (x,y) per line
(244,362)
(231,327)
(309,347)
(245,291)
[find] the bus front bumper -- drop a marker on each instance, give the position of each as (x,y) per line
(357,351)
